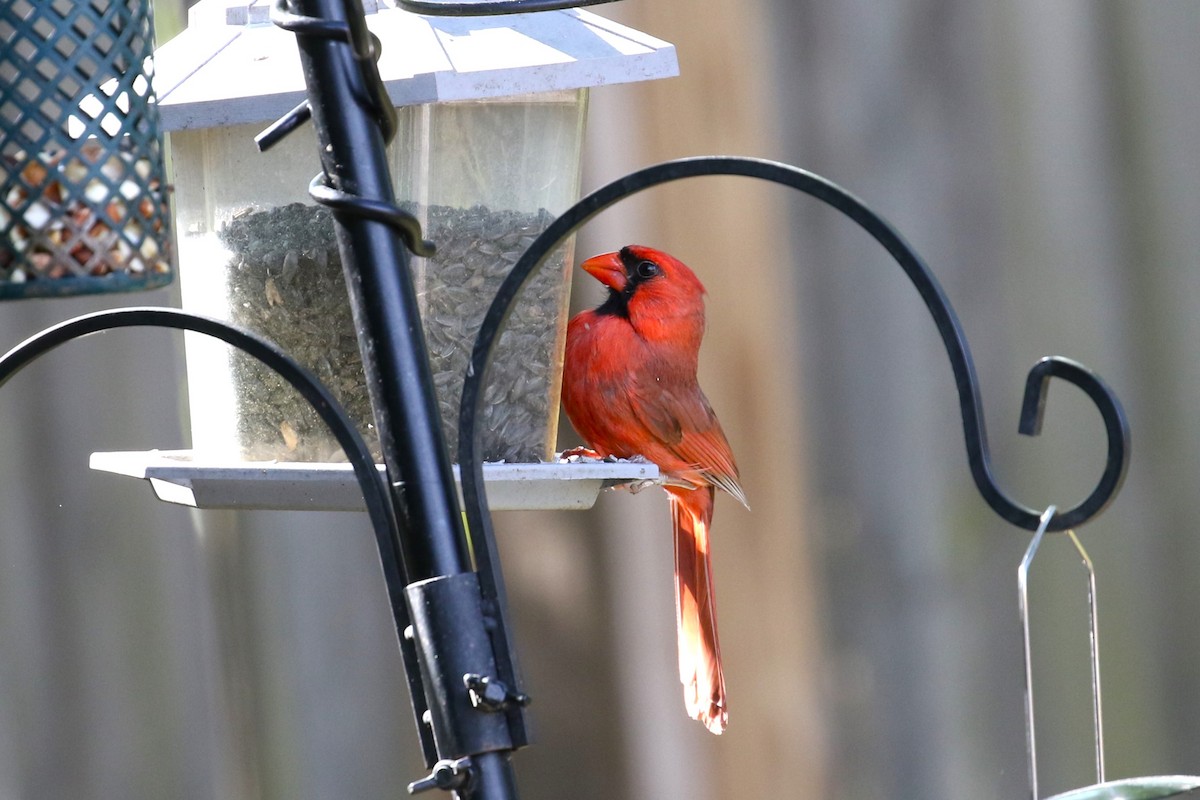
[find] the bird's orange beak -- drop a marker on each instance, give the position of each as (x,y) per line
(607,269)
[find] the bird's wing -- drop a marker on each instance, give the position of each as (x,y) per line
(679,417)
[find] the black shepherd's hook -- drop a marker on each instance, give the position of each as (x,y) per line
(378,501)
(1115,424)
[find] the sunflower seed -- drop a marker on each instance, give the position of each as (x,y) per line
(306,311)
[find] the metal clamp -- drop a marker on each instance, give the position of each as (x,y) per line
(447,775)
(489,694)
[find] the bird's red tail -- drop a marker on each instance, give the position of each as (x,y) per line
(695,608)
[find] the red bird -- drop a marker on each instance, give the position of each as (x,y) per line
(630,389)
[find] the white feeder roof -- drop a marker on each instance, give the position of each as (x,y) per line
(232,66)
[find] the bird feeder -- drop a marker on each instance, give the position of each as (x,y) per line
(83,204)
(491,117)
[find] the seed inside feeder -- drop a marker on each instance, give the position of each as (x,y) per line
(285,281)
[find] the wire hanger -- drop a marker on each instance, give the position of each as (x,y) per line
(1151,788)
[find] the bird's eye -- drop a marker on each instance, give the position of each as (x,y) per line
(647,269)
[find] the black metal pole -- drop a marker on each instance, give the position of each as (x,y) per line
(450,623)
(493,776)
(386,317)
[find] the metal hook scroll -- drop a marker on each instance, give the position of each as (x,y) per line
(1093,648)
(930,290)
(375,494)
(387,525)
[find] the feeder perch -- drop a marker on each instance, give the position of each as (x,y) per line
(83,205)
(491,115)
(183,478)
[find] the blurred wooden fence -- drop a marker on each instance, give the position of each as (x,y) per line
(1042,158)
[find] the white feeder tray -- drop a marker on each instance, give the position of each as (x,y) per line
(177,476)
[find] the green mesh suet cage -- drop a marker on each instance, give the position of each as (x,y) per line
(83,197)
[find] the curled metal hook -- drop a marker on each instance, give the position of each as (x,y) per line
(375,494)
(387,525)
(1116,426)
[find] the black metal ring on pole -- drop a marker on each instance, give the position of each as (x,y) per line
(1115,424)
(378,502)
(404,223)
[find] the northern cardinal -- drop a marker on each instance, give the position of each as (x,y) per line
(630,389)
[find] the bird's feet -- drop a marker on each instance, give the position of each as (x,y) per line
(576,454)
(633,487)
